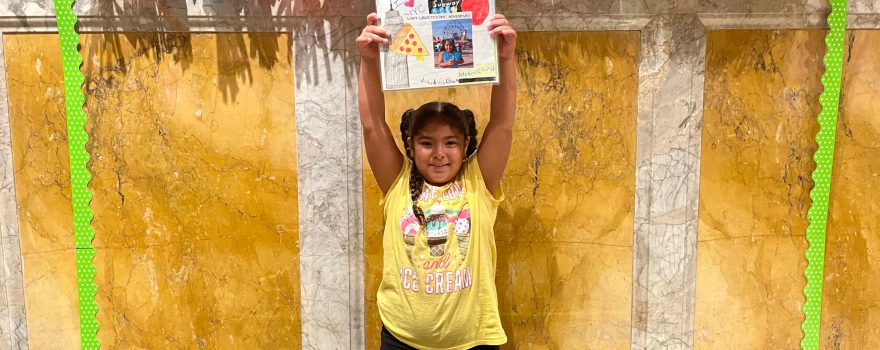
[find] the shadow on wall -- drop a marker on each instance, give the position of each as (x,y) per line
(165,33)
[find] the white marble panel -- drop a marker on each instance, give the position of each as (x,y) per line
(567,23)
(13,322)
(863,14)
(330,185)
(667,181)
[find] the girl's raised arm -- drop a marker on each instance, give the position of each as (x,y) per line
(382,153)
(495,145)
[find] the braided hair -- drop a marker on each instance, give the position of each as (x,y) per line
(413,121)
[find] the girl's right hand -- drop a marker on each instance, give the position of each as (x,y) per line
(372,34)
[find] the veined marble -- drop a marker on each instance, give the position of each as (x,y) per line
(564,233)
(759,127)
(22,8)
(722,21)
(193,145)
(156,164)
(851,296)
(864,6)
(42,185)
(329,164)
(667,182)
(180,8)
(863,14)
(554,15)
(568,7)
(325,74)
(578,23)
(758,6)
(13,320)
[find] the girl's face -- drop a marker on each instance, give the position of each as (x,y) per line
(447,46)
(438,151)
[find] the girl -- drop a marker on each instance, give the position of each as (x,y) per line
(438,279)
(449,57)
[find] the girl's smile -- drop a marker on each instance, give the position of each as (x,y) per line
(438,151)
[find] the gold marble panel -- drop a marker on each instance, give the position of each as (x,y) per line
(851,296)
(42,184)
(564,234)
(759,127)
(195,190)
(565,231)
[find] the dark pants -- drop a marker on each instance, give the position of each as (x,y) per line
(389,342)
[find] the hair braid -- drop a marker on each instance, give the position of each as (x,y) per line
(416,181)
(471,132)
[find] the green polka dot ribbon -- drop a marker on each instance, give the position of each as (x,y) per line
(79,173)
(818,214)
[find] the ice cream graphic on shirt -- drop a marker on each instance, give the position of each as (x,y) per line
(447,216)
(438,249)
(436,229)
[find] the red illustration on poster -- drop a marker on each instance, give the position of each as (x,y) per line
(478,8)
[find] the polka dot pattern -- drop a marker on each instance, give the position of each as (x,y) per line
(824,157)
(79,174)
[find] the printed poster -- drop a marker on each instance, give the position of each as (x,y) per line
(437,43)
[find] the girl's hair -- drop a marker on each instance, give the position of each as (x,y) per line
(414,120)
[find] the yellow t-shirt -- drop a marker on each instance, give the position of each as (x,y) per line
(438,280)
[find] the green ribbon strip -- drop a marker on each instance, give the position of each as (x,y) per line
(79,174)
(817,216)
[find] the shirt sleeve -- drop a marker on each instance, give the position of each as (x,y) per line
(401,181)
(473,177)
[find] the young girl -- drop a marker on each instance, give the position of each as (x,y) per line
(438,280)
(449,57)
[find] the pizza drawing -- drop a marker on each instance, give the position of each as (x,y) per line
(407,42)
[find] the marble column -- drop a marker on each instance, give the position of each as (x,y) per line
(13,321)
(330,184)
(670,108)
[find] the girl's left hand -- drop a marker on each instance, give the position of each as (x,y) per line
(499,28)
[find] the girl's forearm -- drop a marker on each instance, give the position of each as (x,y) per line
(371,100)
(503,108)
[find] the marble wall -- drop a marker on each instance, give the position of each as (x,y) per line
(193,148)
(564,262)
(762,167)
(564,234)
(759,131)
(851,296)
(13,314)
(42,186)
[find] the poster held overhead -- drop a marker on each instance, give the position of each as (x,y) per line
(437,43)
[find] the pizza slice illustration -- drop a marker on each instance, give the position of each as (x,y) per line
(408,42)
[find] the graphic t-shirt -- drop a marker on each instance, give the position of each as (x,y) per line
(438,280)
(455,56)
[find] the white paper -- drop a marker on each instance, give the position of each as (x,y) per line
(437,43)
